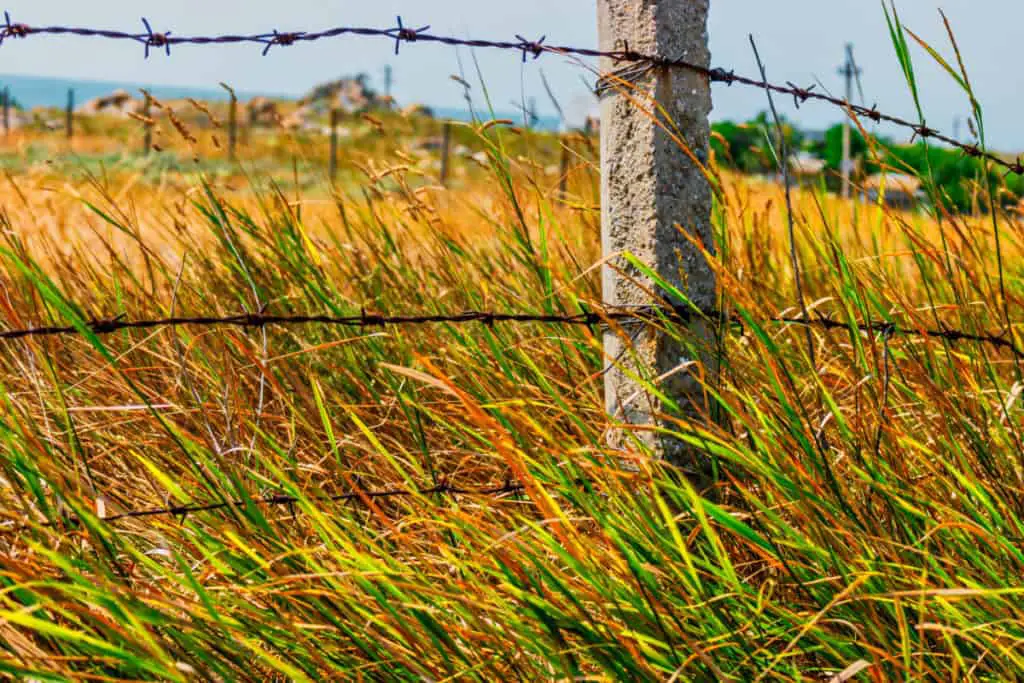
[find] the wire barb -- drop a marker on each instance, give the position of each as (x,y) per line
(106,325)
(157,40)
(800,95)
(403,33)
(531,47)
(13,30)
(719,75)
(282,39)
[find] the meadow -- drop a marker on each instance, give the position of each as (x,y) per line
(864,522)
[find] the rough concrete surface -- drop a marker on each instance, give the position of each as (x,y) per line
(651,193)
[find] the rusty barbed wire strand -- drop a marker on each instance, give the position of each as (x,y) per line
(587,318)
(364,319)
(592,319)
(181,512)
(163,40)
(1001,340)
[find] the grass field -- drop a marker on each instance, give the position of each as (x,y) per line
(867,515)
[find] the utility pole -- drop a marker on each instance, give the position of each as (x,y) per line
(849,71)
(388,76)
(654,200)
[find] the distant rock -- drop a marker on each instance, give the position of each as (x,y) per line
(418,110)
(118,102)
(350,95)
(298,119)
(263,112)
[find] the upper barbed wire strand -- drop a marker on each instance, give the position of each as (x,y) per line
(535,48)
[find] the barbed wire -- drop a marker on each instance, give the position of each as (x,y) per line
(364,319)
(529,49)
(591,319)
(587,318)
(181,512)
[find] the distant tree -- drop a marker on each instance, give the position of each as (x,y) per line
(959,181)
(363,79)
(739,146)
(14,103)
(748,146)
(831,149)
(955,181)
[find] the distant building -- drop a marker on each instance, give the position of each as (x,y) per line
(897,189)
(805,166)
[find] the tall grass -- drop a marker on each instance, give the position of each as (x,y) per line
(866,520)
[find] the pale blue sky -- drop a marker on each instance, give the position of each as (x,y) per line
(800,40)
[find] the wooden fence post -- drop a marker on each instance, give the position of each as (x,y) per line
(69,117)
(654,197)
(247,125)
(446,147)
(332,171)
(232,126)
(147,137)
(563,167)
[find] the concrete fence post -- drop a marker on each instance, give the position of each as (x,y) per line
(652,196)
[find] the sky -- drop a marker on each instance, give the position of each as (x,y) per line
(800,41)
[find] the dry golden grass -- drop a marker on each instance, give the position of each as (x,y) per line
(867,506)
